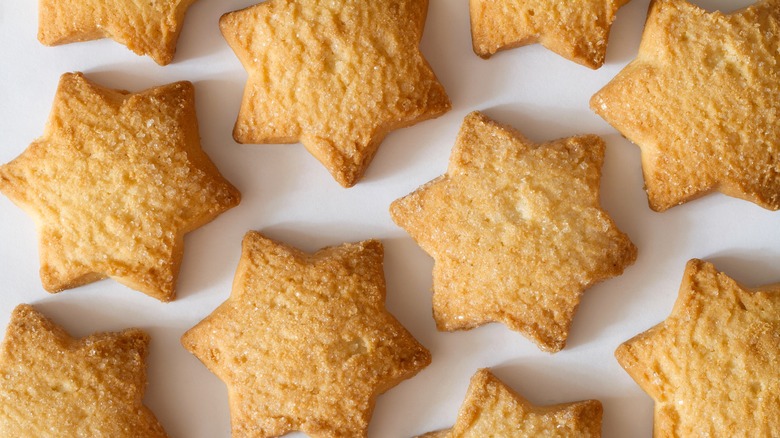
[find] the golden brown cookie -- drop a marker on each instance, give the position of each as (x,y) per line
(516,231)
(335,75)
(577,30)
(304,342)
(712,365)
(52,385)
(702,102)
(115,182)
(146,27)
(435,434)
(492,409)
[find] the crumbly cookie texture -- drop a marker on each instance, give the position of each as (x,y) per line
(577,30)
(335,75)
(52,385)
(114,183)
(702,102)
(492,409)
(516,231)
(711,366)
(149,27)
(304,342)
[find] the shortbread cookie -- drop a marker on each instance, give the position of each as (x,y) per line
(115,182)
(304,342)
(52,385)
(516,231)
(435,434)
(712,365)
(146,27)
(577,30)
(702,102)
(336,75)
(492,409)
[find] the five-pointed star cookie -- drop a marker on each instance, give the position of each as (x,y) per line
(577,30)
(304,342)
(492,409)
(114,184)
(149,27)
(712,365)
(516,231)
(52,385)
(702,102)
(337,75)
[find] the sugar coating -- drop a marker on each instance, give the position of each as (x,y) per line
(516,231)
(304,342)
(52,385)
(335,75)
(114,183)
(702,102)
(711,366)
(577,30)
(492,409)
(149,27)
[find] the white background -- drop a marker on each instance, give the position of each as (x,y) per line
(289,196)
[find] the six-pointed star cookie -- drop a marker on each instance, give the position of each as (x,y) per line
(577,30)
(148,27)
(702,102)
(114,184)
(304,342)
(712,365)
(516,231)
(336,75)
(492,409)
(52,385)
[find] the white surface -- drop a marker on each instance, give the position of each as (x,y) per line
(289,195)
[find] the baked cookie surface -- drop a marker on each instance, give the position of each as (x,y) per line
(702,102)
(711,366)
(577,30)
(515,230)
(335,75)
(492,409)
(52,385)
(149,27)
(114,183)
(304,342)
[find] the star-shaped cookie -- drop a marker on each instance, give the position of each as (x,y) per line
(114,183)
(516,231)
(712,365)
(337,76)
(702,102)
(492,409)
(577,30)
(304,342)
(145,27)
(52,385)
